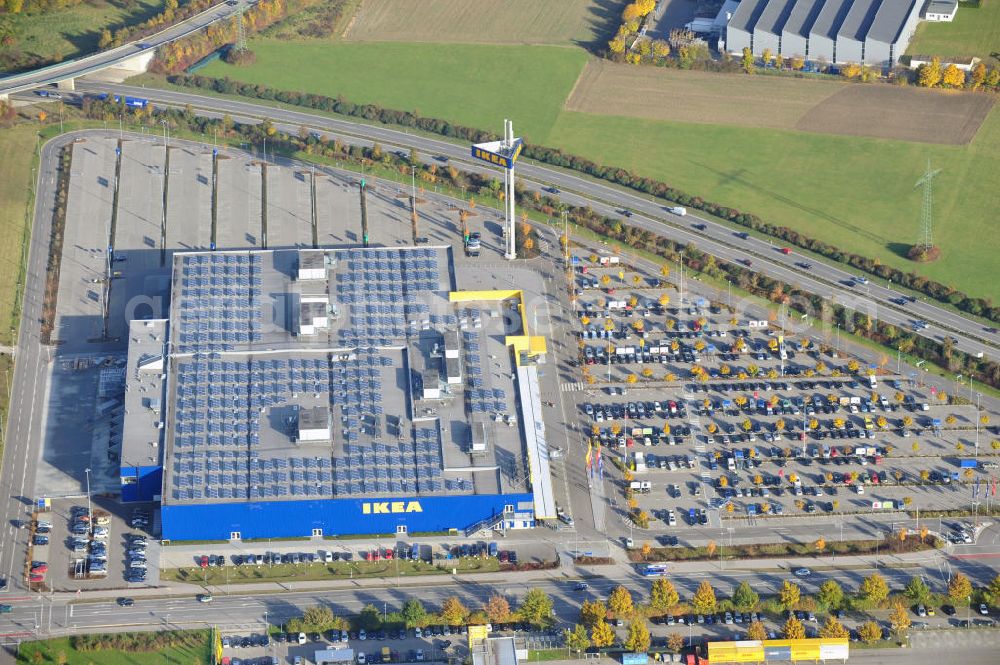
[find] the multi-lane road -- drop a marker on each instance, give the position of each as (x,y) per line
(27,404)
(93,63)
(233,607)
(827,280)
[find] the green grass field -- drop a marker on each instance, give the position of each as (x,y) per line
(472,85)
(856,193)
(69,33)
(973,33)
(485,21)
(17,147)
(50,650)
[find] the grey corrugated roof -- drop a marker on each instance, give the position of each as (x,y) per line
(828,22)
(773,18)
(802,17)
(746,15)
(858,20)
(890,19)
(941,6)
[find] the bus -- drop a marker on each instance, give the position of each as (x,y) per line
(655,570)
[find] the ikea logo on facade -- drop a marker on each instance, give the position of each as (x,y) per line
(390,507)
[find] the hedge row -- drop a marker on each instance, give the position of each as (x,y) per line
(555,157)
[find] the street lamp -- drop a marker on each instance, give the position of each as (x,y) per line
(90,513)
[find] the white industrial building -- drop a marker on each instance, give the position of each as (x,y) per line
(941,11)
(874,32)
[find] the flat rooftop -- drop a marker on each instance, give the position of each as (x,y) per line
(240,377)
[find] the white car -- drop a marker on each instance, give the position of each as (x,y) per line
(420,654)
(362,659)
(803,572)
(302,638)
(985,611)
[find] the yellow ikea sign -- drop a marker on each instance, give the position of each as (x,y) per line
(491,157)
(390,507)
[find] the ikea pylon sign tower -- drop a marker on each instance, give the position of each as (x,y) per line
(504,154)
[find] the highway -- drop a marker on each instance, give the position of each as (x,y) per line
(104,59)
(821,278)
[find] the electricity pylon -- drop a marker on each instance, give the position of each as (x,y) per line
(926,210)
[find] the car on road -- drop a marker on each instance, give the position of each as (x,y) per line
(581,586)
(747,262)
(6,609)
(125,602)
(983,609)
(803,572)
(204,597)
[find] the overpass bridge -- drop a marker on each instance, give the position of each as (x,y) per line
(128,59)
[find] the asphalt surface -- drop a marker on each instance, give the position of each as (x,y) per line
(31,370)
(233,608)
(821,278)
(98,61)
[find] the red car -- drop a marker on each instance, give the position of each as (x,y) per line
(36,577)
(786,250)
(203,561)
(388,554)
(40,567)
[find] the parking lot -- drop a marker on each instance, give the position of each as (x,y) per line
(98,551)
(716,416)
(428,644)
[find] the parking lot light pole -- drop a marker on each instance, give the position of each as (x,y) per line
(978,406)
(90,513)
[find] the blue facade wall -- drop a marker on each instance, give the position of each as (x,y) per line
(284,519)
(141,483)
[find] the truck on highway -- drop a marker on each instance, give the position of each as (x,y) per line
(680,211)
(133,102)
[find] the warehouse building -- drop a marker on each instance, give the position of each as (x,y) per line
(795,32)
(822,45)
(854,29)
(767,30)
(891,31)
(301,393)
(739,32)
(874,32)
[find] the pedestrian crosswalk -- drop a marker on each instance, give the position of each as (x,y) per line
(572,387)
